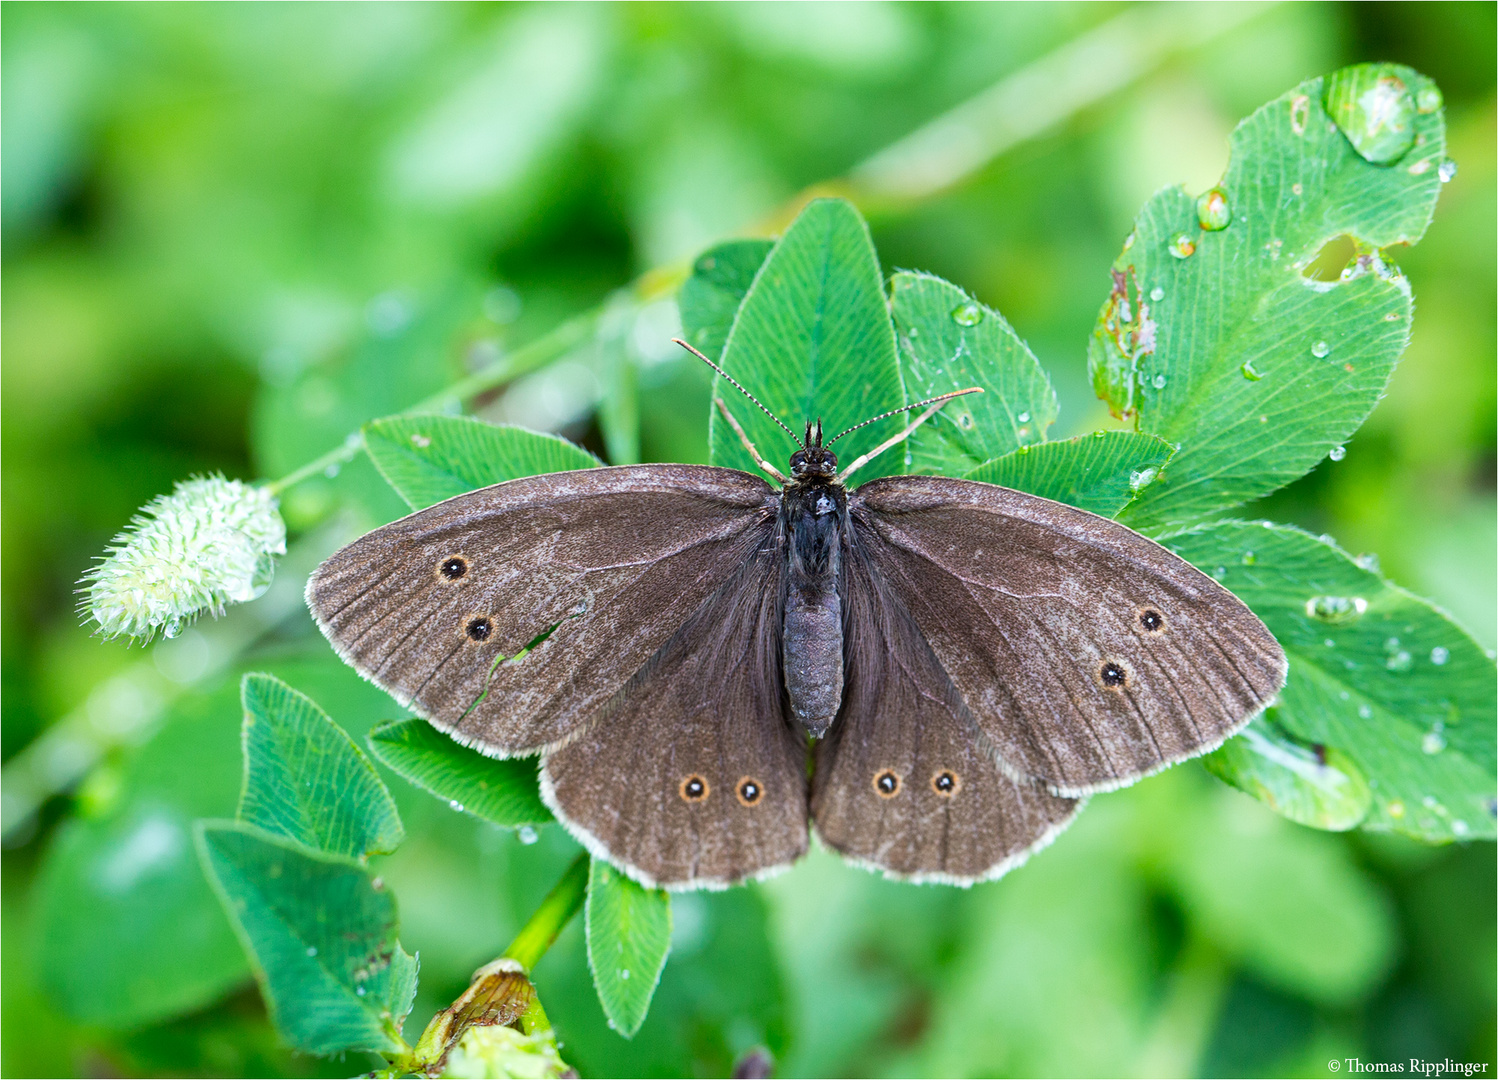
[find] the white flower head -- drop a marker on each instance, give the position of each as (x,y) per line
(211,542)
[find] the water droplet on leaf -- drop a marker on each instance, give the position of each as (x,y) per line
(1439,655)
(1143,478)
(1249,558)
(1374,109)
(527,835)
(1251,373)
(968,314)
(1023,418)
(1428,98)
(1212,210)
(1157,294)
(1321,350)
(1300,108)
(1337,453)
(1447,171)
(1433,742)
(1182,246)
(1158,382)
(1365,711)
(624,973)
(1337,610)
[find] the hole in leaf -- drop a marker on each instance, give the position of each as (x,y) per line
(1332,259)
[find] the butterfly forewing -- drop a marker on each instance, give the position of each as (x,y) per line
(904,780)
(1088,655)
(693,776)
(509,615)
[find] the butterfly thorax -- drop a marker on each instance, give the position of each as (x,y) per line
(813,516)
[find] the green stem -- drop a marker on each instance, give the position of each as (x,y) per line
(548,920)
(529,357)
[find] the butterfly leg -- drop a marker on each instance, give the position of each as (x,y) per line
(768,469)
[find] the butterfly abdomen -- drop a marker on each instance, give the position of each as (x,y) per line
(812,518)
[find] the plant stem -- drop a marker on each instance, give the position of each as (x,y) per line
(548,920)
(522,361)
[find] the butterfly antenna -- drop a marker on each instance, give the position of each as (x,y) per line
(903,408)
(740,388)
(932,405)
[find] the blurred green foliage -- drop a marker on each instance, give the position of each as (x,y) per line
(233,234)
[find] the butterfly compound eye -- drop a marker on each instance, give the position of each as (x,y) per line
(479,628)
(1112,674)
(453,567)
(694,788)
(946,783)
(887,783)
(749,791)
(1152,620)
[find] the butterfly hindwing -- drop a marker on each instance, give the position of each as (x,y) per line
(1087,654)
(583,575)
(693,776)
(904,780)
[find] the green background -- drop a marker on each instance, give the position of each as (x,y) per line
(232,234)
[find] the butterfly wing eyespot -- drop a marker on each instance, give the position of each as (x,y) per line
(452,568)
(1152,621)
(887,783)
(1113,675)
(479,628)
(946,783)
(749,791)
(694,788)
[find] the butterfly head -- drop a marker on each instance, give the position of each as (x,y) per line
(813,461)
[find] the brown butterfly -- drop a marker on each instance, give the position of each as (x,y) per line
(932,672)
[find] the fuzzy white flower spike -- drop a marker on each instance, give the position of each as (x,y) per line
(211,542)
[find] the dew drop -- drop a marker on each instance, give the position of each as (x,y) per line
(624,973)
(1158,382)
(1428,98)
(1365,711)
(1249,558)
(1375,110)
(1329,643)
(1182,246)
(455,804)
(1400,661)
(1220,572)
(1251,373)
(1447,171)
(311,950)
(1433,742)
(1396,809)
(1143,478)
(359,990)
(1212,210)
(527,835)
(1023,418)
(1300,108)
(1337,453)
(968,314)
(1157,294)
(1337,610)
(1439,655)
(1459,827)
(1321,350)
(965,420)
(1367,561)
